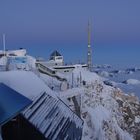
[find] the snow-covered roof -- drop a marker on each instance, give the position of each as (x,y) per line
(53,118)
(55,53)
(47,113)
(25,82)
(11,103)
(20,52)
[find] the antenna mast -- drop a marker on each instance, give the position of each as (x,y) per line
(89,52)
(4,45)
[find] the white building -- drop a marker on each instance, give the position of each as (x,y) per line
(14,59)
(21,52)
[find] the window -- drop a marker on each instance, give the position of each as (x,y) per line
(58,58)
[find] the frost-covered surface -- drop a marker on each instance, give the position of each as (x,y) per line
(103,116)
(104,74)
(24,82)
(52,82)
(108,113)
(3,60)
(53,118)
(71,92)
(47,112)
(31,61)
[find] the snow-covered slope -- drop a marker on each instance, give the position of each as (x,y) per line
(108,113)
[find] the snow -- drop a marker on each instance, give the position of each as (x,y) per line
(50,116)
(86,75)
(123,135)
(97,103)
(3,60)
(137,119)
(110,83)
(31,61)
(102,119)
(71,92)
(25,82)
(51,81)
(104,73)
(78,75)
(100,110)
(98,115)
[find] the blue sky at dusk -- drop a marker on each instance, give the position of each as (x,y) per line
(42,26)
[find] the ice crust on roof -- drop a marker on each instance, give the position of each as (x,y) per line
(53,118)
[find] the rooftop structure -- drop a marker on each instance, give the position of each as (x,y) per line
(57,57)
(53,118)
(21,52)
(54,54)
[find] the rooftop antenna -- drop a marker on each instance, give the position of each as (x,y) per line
(4,44)
(89,52)
(4,51)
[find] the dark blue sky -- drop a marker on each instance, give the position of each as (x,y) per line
(43,25)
